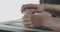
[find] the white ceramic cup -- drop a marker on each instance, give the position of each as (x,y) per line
(26,11)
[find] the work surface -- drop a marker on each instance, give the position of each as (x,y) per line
(17,26)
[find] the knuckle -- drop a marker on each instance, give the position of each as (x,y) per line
(26,19)
(27,24)
(24,6)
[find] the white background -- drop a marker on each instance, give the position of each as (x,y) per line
(10,9)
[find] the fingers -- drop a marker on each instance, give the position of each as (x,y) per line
(33,21)
(27,23)
(33,11)
(29,6)
(38,8)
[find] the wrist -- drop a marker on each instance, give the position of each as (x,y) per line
(45,6)
(51,23)
(47,21)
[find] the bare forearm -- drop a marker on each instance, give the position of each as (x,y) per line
(52,23)
(52,8)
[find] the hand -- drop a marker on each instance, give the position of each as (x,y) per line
(38,8)
(33,20)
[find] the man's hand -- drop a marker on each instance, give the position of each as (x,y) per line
(33,20)
(37,8)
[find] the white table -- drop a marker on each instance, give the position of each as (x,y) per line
(17,26)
